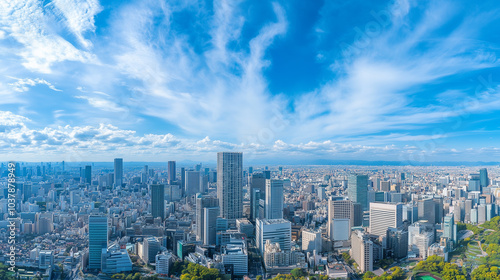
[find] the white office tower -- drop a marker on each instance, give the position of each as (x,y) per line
(312,241)
(150,249)
(340,209)
(163,263)
(115,260)
(384,216)
(473,216)
(481,214)
(277,231)
(236,254)
(362,250)
(230,184)
(423,241)
(202,202)
(274,199)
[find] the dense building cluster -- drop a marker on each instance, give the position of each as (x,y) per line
(90,221)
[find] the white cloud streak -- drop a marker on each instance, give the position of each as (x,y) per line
(79,15)
(28,23)
(83,143)
(218,87)
(22,85)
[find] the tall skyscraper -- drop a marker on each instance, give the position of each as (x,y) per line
(339,209)
(255,196)
(362,250)
(118,172)
(98,239)
(145,174)
(210,215)
(183,181)
(450,228)
(158,201)
(26,189)
(468,210)
(230,184)
(384,216)
(474,183)
(257,181)
(483,178)
(150,248)
(88,174)
(397,242)
(427,210)
(202,202)
(410,213)
(171,172)
(274,199)
(357,190)
(439,209)
(192,183)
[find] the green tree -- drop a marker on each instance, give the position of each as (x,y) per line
(5,273)
(298,272)
(369,275)
(485,272)
(199,272)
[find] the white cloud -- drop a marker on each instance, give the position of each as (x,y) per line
(79,15)
(198,92)
(22,85)
(102,104)
(218,87)
(103,142)
(9,121)
(382,72)
(28,24)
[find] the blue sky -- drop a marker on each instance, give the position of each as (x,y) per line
(410,81)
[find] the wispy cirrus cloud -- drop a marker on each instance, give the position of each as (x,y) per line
(380,73)
(79,15)
(198,91)
(22,85)
(204,69)
(30,24)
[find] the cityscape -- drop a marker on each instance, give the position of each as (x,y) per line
(249,140)
(118,220)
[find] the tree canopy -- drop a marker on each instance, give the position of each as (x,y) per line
(198,272)
(436,264)
(485,272)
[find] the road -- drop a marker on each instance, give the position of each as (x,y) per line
(480,247)
(351,272)
(255,262)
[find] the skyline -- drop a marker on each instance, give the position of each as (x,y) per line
(383,81)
